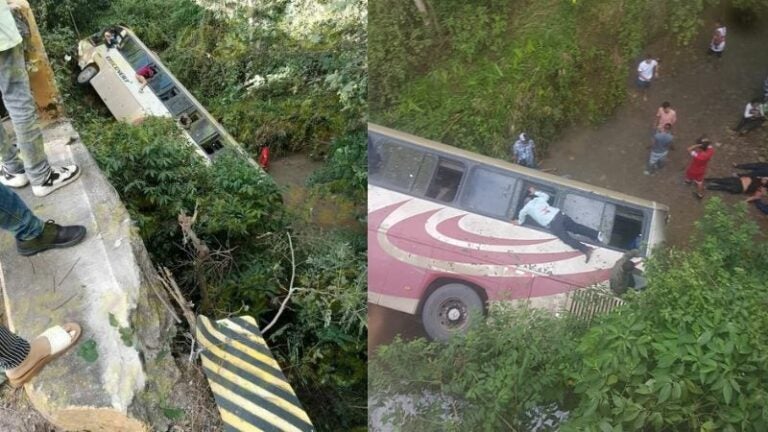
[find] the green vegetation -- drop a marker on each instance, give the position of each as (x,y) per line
(288,75)
(474,75)
(687,354)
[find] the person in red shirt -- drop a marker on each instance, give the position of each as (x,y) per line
(701,153)
(145,73)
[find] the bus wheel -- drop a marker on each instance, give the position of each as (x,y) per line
(449,310)
(85,75)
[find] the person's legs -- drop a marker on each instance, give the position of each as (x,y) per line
(752,124)
(640,281)
(560,230)
(13,349)
(14,85)
(577,228)
(17,218)
(728,184)
(754,166)
(17,97)
(742,123)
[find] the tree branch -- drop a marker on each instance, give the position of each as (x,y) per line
(291,289)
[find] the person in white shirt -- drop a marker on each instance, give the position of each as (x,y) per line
(753,118)
(717,43)
(538,208)
(647,70)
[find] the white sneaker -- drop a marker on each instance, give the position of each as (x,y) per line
(13,180)
(600,237)
(59,177)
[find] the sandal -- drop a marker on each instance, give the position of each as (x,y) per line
(60,340)
(698,195)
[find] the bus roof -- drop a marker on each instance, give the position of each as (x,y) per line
(573,184)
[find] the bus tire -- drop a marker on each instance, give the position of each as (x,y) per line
(449,310)
(86,75)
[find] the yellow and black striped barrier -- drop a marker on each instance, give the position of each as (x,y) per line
(250,389)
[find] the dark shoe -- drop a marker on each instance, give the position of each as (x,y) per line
(588,254)
(53,236)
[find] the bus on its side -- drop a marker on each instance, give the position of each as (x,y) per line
(112,73)
(441,243)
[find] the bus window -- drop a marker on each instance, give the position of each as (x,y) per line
(627,229)
(489,192)
(133,53)
(374,158)
(589,212)
(521,201)
(445,183)
(399,164)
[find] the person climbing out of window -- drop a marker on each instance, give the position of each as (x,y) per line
(144,74)
(538,208)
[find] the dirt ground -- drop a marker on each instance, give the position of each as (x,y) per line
(709,96)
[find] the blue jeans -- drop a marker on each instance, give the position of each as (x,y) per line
(17,97)
(16,217)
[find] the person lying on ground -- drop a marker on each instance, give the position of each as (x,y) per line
(753,117)
(744,184)
(25,162)
(701,153)
(560,224)
(625,274)
(757,169)
(21,359)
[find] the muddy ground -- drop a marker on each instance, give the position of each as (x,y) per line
(709,96)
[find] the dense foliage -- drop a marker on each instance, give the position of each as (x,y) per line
(688,354)
(288,75)
(475,75)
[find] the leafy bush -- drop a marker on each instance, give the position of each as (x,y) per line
(153,169)
(323,340)
(689,355)
(346,170)
(506,372)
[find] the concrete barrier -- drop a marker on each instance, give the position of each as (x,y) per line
(121,375)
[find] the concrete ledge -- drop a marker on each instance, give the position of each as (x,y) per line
(107,284)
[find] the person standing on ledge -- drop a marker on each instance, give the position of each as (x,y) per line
(21,359)
(32,166)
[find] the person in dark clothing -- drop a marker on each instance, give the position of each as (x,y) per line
(750,185)
(625,274)
(756,169)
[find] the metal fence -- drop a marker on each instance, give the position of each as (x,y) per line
(587,303)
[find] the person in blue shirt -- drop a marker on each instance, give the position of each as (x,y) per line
(523,151)
(538,208)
